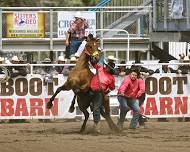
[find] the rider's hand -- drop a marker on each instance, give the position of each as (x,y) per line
(67,42)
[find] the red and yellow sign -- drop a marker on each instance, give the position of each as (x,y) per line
(25,25)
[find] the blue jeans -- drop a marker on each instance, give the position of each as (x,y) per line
(97,104)
(74,45)
(125,105)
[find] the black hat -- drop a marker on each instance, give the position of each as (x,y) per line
(135,70)
(111,65)
(163,61)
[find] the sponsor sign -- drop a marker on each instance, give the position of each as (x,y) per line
(25,25)
(167,95)
(26,98)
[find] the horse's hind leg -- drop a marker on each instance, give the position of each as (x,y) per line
(110,122)
(86,116)
(71,108)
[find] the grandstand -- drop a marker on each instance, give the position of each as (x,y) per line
(144,20)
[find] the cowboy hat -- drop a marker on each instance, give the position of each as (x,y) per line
(15,58)
(111,57)
(78,15)
(1,59)
(186,59)
(46,60)
(73,58)
(99,48)
(61,58)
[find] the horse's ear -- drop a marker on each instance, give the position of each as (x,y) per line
(97,40)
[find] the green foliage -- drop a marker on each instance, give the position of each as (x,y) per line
(47,3)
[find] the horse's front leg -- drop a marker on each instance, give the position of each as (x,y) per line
(50,102)
(86,116)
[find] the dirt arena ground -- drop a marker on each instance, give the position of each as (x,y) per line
(59,136)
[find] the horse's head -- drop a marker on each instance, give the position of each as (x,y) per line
(92,50)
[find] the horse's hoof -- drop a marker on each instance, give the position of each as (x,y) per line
(82,131)
(71,109)
(49,105)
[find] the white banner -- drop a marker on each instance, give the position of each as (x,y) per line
(26,98)
(65,18)
(167,95)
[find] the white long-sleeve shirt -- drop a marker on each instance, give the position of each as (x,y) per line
(81,48)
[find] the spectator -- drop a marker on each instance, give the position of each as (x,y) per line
(165,68)
(1,62)
(17,70)
(184,69)
(67,69)
(144,72)
(47,71)
(122,70)
(75,34)
(4,73)
(60,69)
(73,60)
(111,58)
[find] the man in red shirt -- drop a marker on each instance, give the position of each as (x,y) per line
(101,84)
(129,92)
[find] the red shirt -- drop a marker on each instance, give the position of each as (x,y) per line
(107,81)
(132,89)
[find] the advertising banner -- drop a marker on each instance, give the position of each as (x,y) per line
(167,95)
(26,98)
(65,18)
(25,25)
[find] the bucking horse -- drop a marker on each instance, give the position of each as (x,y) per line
(79,82)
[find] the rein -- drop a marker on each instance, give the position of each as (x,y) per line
(86,52)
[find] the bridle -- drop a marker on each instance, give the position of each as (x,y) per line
(92,57)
